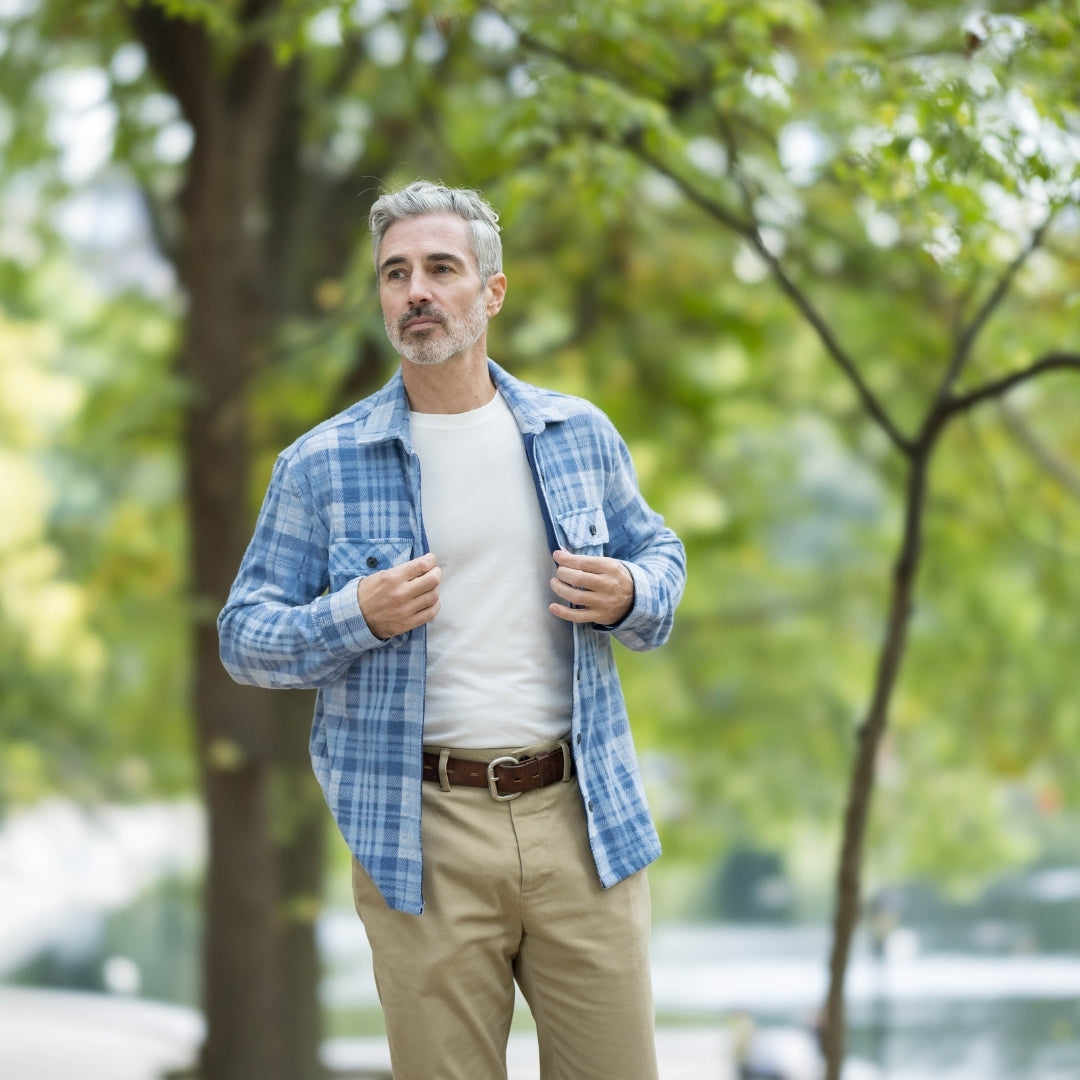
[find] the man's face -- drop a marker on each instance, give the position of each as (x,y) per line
(435,307)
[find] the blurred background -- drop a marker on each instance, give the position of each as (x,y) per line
(820,263)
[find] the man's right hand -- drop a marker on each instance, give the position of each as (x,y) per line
(402,598)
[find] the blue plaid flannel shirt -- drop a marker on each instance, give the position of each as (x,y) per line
(344,501)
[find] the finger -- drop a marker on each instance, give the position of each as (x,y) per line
(576,562)
(573,579)
(414,585)
(426,613)
(427,581)
(569,614)
(569,592)
(419,566)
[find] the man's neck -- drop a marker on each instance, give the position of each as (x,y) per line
(460,384)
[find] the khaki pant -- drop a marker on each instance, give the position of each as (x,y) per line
(511,893)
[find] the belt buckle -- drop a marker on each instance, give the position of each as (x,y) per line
(493,781)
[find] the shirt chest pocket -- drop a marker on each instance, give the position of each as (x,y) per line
(584,531)
(353,557)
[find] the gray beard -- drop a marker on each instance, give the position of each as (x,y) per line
(427,348)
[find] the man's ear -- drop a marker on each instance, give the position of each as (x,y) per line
(496,293)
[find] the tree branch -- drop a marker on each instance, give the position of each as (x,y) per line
(673,96)
(967,338)
(833,347)
(1055,361)
(748,231)
(730,220)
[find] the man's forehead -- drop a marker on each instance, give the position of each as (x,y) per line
(428,236)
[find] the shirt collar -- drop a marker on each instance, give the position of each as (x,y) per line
(533,408)
(388,409)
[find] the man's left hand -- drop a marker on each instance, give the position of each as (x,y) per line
(601,589)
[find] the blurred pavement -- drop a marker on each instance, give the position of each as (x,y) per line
(57,1035)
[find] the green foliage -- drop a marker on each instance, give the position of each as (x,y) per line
(648,160)
(93,667)
(892,162)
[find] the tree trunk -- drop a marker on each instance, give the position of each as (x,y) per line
(239,971)
(260,991)
(243,987)
(298,826)
(256,227)
(860,789)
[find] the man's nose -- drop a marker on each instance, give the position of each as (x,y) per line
(419,288)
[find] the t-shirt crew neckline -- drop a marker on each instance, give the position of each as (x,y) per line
(469,418)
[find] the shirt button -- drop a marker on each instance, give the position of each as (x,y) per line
(592,530)
(590,806)
(578,739)
(372,562)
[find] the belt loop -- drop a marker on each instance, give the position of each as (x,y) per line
(444,780)
(567,761)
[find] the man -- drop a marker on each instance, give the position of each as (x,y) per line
(448,562)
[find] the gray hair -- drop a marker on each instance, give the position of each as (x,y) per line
(423,197)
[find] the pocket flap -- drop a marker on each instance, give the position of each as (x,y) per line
(355,557)
(584,528)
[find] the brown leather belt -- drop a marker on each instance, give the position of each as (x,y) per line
(505,777)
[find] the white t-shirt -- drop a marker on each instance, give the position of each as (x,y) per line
(498,662)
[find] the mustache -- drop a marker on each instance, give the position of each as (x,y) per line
(425,311)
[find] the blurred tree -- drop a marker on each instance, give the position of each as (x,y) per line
(864,161)
(928,161)
(286,135)
(275,120)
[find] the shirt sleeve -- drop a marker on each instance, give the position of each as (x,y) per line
(282,627)
(651,551)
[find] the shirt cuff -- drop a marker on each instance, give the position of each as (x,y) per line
(342,623)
